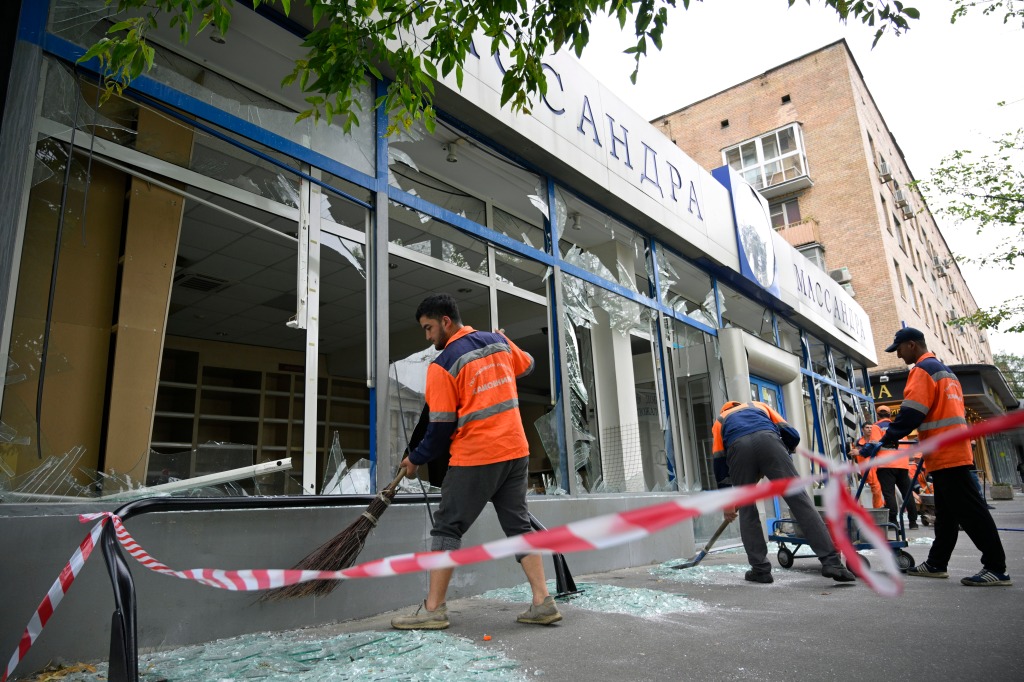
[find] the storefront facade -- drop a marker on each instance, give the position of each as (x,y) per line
(227,276)
(198,283)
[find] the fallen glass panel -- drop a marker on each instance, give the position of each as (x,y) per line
(631,601)
(9,434)
(62,477)
(362,656)
(13,376)
(719,574)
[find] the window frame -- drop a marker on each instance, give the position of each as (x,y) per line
(799,151)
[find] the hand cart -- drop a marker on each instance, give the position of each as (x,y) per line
(785,531)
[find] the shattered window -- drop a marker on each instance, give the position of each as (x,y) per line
(686,289)
(745,313)
(828,420)
(821,361)
(464,167)
(160,136)
(790,340)
(856,413)
(434,239)
(84,22)
(619,440)
(600,244)
(844,368)
(515,269)
(419,232)
(338,209)
(695,368)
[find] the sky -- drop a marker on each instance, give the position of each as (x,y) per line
(937,86)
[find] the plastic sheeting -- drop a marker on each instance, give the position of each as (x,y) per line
(358,656)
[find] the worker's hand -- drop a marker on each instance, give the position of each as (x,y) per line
(870,449)
(410,467)
(730,513)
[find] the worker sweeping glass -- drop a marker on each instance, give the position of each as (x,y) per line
(752,440)
(474,416)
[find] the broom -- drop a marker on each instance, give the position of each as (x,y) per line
(339,552)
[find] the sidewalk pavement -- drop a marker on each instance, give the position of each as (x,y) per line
(802,625)
(710,624)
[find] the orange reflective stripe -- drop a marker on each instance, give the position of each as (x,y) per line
(941,396)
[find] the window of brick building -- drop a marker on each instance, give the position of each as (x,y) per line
(770,159)
(815,253)
(899,234)
(885,212)
(785,213)
(912,291)
(899,279)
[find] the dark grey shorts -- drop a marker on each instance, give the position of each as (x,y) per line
(467,490)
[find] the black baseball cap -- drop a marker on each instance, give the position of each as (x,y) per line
(905,334)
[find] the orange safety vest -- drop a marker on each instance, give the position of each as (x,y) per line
(731,408)
(877,498)
(905,463)
(933,390)
(473,383)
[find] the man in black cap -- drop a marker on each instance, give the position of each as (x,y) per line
(933,403)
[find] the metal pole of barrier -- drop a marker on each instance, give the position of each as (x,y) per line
(565,586)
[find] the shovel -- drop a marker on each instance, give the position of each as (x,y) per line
(707,548)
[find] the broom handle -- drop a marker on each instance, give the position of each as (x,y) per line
(398,479)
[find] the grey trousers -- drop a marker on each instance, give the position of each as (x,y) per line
(467,490)
(762,454)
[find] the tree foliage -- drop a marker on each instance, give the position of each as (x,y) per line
(412,41)
(1012,367)
(987,191)
(1012,10)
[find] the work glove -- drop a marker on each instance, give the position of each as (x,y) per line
(721,470)
(790,437)
(870,449)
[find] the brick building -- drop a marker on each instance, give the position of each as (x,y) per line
(810,137)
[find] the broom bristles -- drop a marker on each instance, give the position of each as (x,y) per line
(337,554)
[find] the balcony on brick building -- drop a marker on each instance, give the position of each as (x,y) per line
(801,233)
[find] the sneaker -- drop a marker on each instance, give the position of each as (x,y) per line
(759,577)
(544,613)
(423,619)
(914,526)
(926,570)
(839,573)
(987,578)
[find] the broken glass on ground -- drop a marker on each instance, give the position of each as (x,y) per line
(711,574)
(631,601)
(362,656)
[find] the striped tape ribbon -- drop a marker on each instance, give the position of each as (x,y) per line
(600,532)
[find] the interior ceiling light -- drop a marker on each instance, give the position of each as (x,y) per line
(217,38)
(575,224)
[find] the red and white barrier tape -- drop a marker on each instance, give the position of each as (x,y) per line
(54,596)
(599,532)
